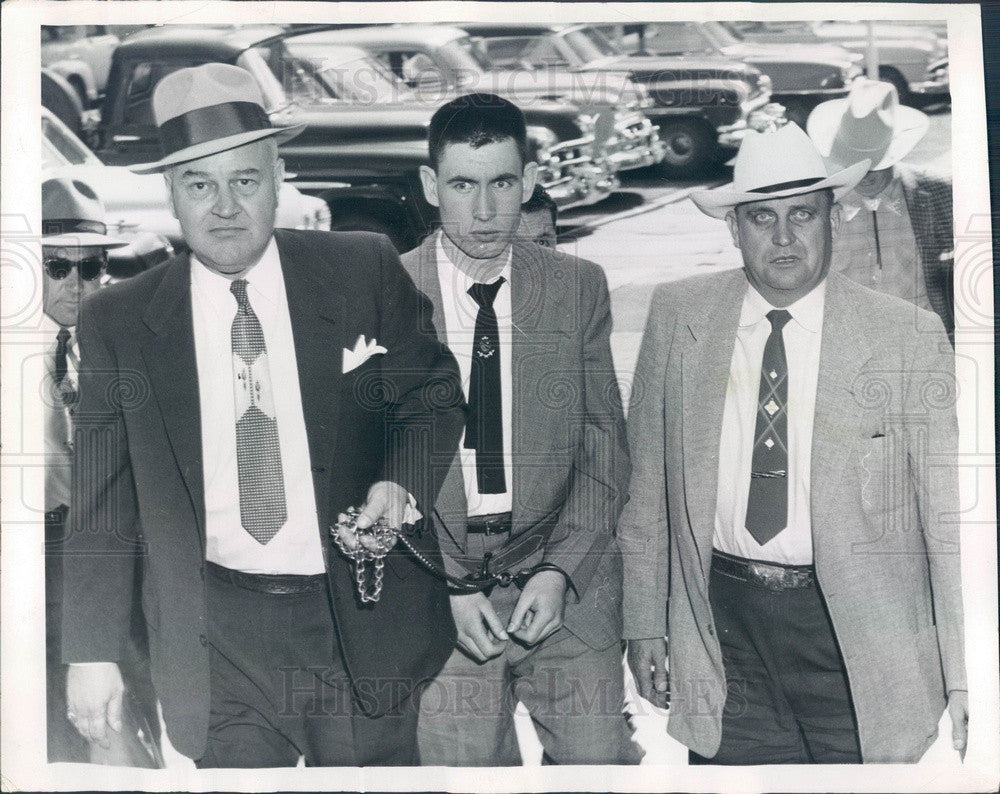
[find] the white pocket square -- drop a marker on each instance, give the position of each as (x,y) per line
(361,353)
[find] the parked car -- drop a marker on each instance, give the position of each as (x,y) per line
(438,61)
(801,75)
(911,58)
(137,207)
(62,100)
(81,54)
(703,105)
(362,160)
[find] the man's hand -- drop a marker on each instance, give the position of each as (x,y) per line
(647,659)
(480,632)
(94,699)
(385,499)
(958,710)
(539,610)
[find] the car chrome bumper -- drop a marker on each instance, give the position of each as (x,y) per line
(635,145)
(570,175)
(765,116)
(931,87)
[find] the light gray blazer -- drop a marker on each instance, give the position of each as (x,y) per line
(571,463)
(884,505)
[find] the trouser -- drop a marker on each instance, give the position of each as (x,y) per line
(789,700)
(574,694)
(280,690)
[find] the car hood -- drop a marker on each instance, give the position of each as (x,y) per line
(579,88)
(681,68)
(820,54)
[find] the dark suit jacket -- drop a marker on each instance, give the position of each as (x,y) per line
(884,505)
(140,490)
(929,203)
(570,456)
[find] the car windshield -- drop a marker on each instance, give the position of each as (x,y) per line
(255,61)
(677,38)
(590,44)
(328,75)
(722,34)
(465,55)
(62,147)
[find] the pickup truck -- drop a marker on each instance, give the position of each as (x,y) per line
(703,104)
(436,62)
(362,160)
(801,75)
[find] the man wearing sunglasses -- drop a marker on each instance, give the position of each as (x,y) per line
(74,255)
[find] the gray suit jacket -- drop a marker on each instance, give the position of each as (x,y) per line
(571,464)
(884,505)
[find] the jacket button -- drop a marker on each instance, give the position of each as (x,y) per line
(711,630)
(203,640)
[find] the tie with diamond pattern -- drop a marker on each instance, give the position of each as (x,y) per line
(767,506)
(484,427)
(63,387)
(258,457)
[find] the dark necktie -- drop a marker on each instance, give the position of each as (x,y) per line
(767,505)
(258,455)
(484,429)
(61,384)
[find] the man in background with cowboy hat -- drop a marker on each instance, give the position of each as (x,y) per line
(791,524)
(233,401)
(896,233)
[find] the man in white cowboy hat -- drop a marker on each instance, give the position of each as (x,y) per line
(790,524)
(896,232)
(234,401)
(74,257)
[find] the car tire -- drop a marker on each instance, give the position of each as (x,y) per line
(797,109)
(365,223)
(691,148)
(890,75)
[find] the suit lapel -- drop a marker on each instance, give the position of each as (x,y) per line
(843,355)
(173,374)
(317,316)
(705,365)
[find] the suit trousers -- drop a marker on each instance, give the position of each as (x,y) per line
(574,694)
(280,690)
(788,698)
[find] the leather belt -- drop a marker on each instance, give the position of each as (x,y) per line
(274,584)
(770,575)
(492,524)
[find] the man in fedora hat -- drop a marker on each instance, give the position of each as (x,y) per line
(74,258)
(791,525)
(896,232)
(234,401)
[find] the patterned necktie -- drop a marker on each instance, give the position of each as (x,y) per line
(484,428)
(258,456)
(767,506)
(62,386)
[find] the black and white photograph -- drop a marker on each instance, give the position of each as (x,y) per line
(497,397)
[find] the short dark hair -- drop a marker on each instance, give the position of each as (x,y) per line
(541,200)
(477,119)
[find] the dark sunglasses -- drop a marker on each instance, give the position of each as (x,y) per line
(90,268)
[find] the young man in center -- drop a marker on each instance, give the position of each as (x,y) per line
(541,473)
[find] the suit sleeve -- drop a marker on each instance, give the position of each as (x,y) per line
(599,485)
(932,449)
(426,405)
(643,531)
(102,545)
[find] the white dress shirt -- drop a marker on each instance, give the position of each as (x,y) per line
(460,310)
(296,548)
(57,419)
(802,336)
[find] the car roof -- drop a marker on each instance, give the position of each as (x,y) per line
(434,35)
(214,40)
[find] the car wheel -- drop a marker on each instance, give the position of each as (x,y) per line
(889,75)
(366,223)
(690,148)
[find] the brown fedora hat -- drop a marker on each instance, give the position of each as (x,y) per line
(207,109)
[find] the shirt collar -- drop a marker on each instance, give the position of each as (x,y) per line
(458,276)
(265,283)
(807,311)
(50,327)
(890,199)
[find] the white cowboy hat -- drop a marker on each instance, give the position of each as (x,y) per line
(73,216)
(775,165)
(208,109)
(867,123)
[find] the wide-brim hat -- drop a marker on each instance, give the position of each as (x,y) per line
(869,123)
(776,165)
(73,216)
(207,109)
